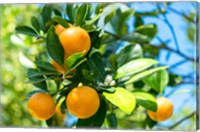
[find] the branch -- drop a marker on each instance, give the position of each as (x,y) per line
(183,119)
(182,14)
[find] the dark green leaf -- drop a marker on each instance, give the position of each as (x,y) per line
(54,46)
(134,66)
(57,12)
(148,30)
(43,73)
(122,99)
(45,66)
(81,14)
(96,120)
(143,74)
(61,21)
(109,17)
(158,81)
(49,24)
(26,30)
(97,65)
(115,21)
(112,120)
(89,28)
(129,53)
(46,13)
(35,23)
(41,85)
(71,11)
(146,100)
(138,21)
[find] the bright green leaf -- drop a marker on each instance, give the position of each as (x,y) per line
(158,80)
(122,99)
(109,17)
(148,30)
(71,60)
(146,100)
(134,66)
(143,74)
(35,23)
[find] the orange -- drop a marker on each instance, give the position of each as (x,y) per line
(83,102)
(164,110)
(75,40)
(41,106)
(59,28)
(59,68)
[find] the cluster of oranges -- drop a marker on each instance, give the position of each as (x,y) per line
(83,102)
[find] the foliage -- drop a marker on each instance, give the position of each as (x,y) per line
(128,80)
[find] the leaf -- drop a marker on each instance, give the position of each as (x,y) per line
(45,66)
(96,63)
(136,37)
(71,60)
(93,20)
(146,100)
(96,120)
(109,17)
(54,47)
(46,13)
(143,74)
(71,10)
(112,120)
(109,90)
(124,17)
(43,73)
(26,30)
(129,53)
(57,12)
(134,66)
(148,30)
(35,23)
(41,85)
(158,81)
(81,14)
(61,21)
(99,8)
(122,99)
(89,28)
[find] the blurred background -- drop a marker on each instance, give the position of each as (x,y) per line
(177,30)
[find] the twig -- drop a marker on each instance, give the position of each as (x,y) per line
(183,119)
(182,14)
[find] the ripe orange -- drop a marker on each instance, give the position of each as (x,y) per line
(59,28)
(41,106)
(74,40)
(164,110)
(83,102)
(59,68)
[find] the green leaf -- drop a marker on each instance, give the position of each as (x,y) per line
(148,30)
(57,12)
(129,53)
(99,8)
(26,30)
(146,100)
(45,66)
(134,66)
(109,17)
(96,120)
(61,21)
(35,23)
(112,120)
(46,13)
(124,17)
(93,20)
(89,28)
(143,74)
(41,85)
(136,37)
(71,60)
(81,14)
(54,47)
(158,81)
(43,73)
(71,10)
(109,90)
(122,99)
(96,63)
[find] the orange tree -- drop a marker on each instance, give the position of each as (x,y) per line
(83,71)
